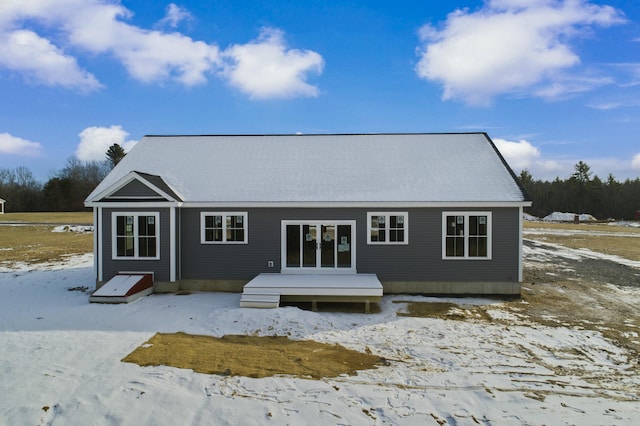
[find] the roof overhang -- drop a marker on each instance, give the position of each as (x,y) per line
(359,204)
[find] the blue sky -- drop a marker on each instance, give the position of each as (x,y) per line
(553,82)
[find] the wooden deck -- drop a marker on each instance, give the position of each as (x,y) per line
(267,290)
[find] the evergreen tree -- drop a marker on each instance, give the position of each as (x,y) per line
(114,154)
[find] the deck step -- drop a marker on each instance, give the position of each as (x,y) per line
(259,300)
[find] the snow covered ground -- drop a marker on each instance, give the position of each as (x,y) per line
(60,363)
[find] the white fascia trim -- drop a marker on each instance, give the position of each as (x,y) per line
(133,205)
(172,244)
(520,242)
(356,204)
(100,260)
(97,231)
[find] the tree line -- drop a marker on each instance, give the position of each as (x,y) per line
(64,192)
(579,193)
(583,192)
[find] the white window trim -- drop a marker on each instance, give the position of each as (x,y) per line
(388,221)
(224,227)
(466,215)
(136,235)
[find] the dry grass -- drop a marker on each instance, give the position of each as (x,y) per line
(33,242)
(251,356)
(599,227)
(606,241)
(626,247)
(78,218)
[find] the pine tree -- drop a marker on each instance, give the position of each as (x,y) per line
(115,153)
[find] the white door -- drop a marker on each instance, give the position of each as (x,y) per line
(313,246)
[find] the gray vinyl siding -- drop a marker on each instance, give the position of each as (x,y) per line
(230,261)
(160,268)
(135,188)
(420,260)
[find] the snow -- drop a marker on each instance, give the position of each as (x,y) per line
(73,228)
(568,217)
(60,363)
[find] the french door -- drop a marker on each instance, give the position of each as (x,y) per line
(318,246)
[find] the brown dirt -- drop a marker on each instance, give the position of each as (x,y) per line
(251,356)
(583,294)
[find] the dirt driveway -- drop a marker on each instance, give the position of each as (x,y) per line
(565,287)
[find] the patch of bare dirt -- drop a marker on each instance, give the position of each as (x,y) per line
(251,356)
(443,310)
(590,294)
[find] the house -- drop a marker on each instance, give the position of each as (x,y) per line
(424,213)
(2,205)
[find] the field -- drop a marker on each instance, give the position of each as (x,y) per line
(607,239)
(28,237)
(565,353)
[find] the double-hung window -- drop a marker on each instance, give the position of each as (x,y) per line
(387,227)
(223,227)
(135,235)
(466,235)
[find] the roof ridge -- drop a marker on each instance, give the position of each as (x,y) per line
(313,134)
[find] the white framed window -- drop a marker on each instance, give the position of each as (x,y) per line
(387,228)
(135,235)
(223,228)
(466,235)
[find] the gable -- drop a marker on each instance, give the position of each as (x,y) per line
(135,189)
(138,187)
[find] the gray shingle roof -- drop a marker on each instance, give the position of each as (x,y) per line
(451,167)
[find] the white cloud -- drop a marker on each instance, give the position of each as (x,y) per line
(25,51)
(148,55)
(17,146)
(35,36)
(175,14)
(509,46)
(635,162)
(614,104)
(95,141)
(520,155)
(265,68)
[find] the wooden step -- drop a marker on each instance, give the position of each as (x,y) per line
(259,300)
